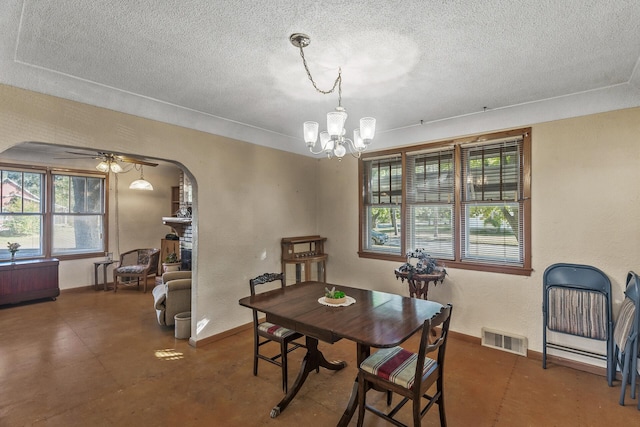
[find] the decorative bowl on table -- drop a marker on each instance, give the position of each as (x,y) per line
(335,301)
(334,297)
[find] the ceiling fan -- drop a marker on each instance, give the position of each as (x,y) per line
(109,161)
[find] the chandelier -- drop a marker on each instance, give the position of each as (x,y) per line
(333,141)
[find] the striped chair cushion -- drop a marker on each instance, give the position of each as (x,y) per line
(396,365)
(275,330)
(624,323)
(577,312)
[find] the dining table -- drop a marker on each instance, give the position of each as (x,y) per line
(374,319)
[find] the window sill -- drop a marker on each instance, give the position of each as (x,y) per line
(491,268)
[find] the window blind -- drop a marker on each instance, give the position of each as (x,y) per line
(430,201)
(492,202)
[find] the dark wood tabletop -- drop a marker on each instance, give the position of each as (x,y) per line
(377,319)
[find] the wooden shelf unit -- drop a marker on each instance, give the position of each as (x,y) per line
(175,200)
(302,252)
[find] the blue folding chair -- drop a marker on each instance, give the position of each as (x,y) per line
(625,336)
(576,300)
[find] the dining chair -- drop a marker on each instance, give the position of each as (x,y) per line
(265,332)
(408,374)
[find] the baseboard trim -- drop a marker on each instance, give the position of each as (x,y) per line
(222,335)
(536,355)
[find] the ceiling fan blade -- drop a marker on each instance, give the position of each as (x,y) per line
(109,157)
(88,155)
(136,161)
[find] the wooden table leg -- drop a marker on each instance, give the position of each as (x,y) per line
(104,276)
(312,360)
(363,352)
(95,275)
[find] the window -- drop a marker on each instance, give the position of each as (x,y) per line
(463,201)
(22,212)
(491,197)
(78,214)
(383,200)
(52,213)
(430,202)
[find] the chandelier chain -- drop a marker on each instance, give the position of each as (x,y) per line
(338,81)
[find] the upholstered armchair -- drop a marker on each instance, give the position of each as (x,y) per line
(173,296)
(137,264)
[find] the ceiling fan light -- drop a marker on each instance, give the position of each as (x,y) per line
(141,184)
(103,167)
(116,168)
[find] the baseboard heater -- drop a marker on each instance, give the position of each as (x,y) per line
(504,341)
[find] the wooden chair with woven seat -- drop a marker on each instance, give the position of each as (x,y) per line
(137,264)
(408,374)
(265,332)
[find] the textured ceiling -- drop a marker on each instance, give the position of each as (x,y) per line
(227,67)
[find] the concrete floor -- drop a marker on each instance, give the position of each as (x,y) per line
(95,358)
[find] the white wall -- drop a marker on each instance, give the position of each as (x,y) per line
(138,212)
(585,205)
(247,197)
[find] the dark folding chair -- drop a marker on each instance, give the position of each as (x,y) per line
(408,374)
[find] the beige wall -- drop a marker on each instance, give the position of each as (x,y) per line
(585,205)
(246,197)
(585,209)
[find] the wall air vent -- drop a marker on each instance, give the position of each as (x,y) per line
(504,341)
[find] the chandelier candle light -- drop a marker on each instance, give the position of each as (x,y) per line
(333,140)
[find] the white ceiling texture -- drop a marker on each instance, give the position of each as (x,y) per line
(424,69)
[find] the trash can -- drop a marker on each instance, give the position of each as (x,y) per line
(183,325)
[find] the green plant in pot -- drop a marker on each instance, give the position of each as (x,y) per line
(334,297)
(171,262)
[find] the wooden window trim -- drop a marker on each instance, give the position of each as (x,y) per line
(457,263)
(47,227)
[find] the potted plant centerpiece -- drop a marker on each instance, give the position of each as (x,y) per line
(427,269)
(425,265)
(171,263)
(334,297)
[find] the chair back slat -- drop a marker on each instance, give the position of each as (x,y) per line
(265,278)
(442,320)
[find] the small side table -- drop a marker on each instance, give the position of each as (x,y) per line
(96,267)
(419,283)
